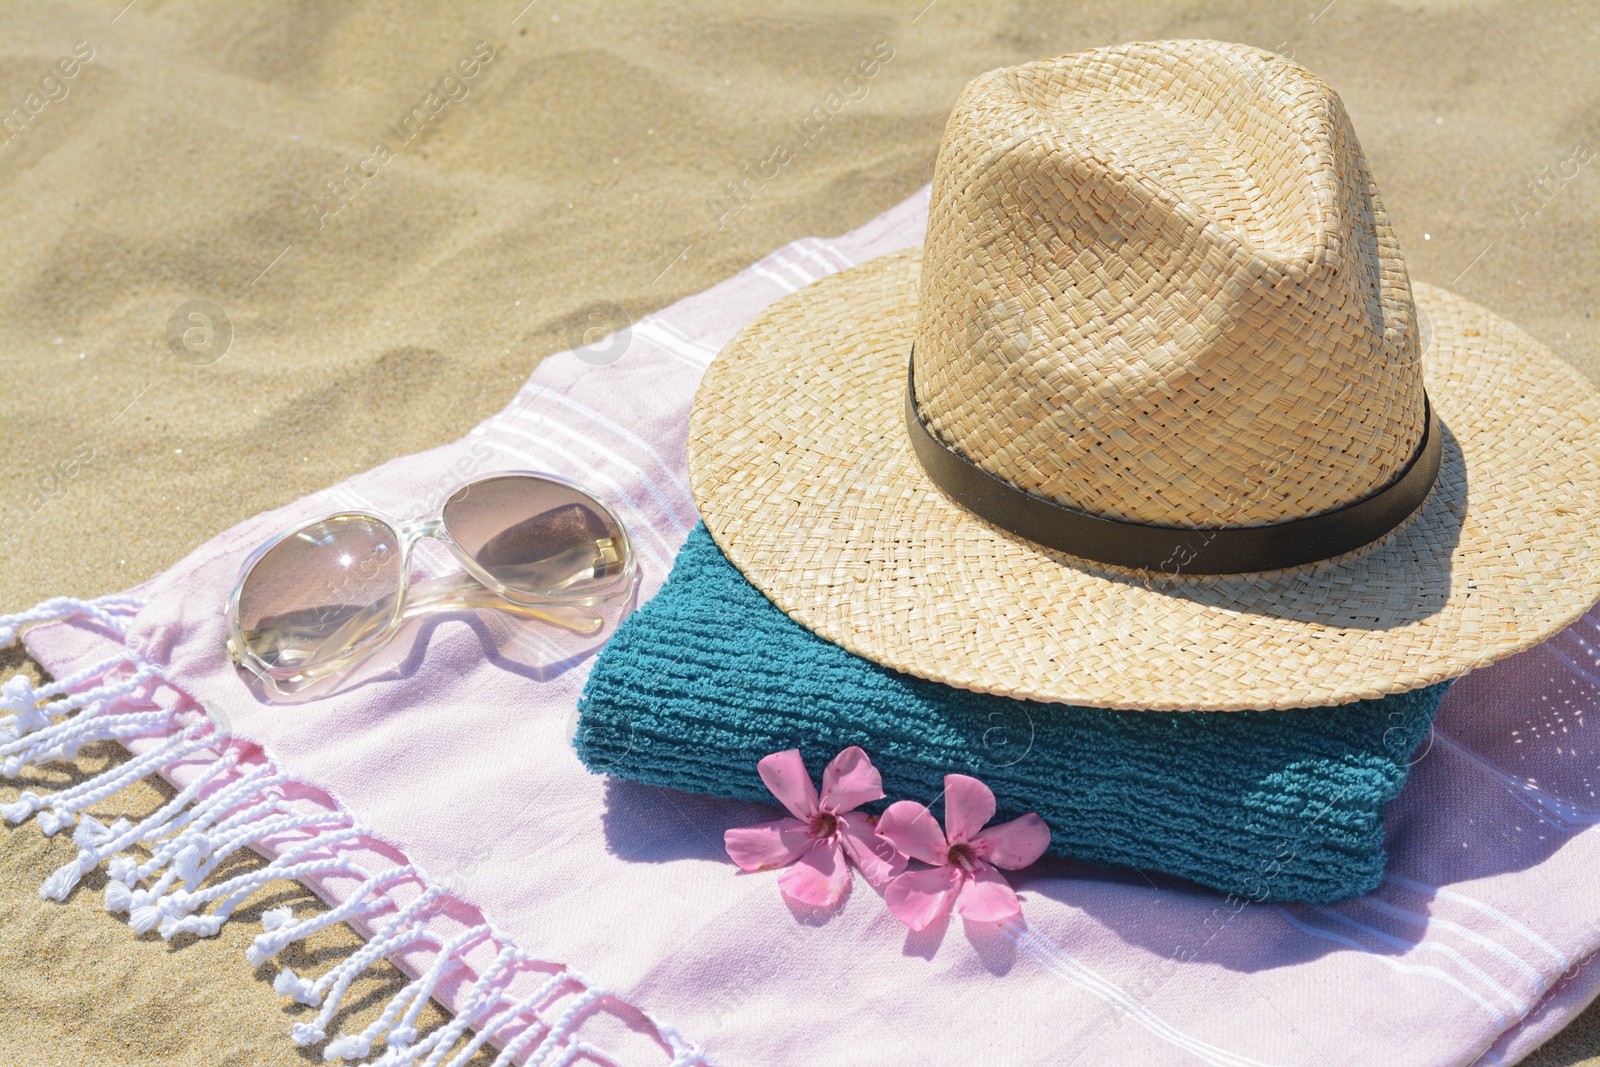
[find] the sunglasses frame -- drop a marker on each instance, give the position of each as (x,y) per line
(293,681)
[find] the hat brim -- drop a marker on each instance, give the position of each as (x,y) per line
(804,475)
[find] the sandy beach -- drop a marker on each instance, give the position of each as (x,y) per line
(252,250)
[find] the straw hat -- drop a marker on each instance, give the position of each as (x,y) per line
(1155,419)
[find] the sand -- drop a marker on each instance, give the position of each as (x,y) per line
(578,175)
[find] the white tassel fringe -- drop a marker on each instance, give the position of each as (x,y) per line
(231,805)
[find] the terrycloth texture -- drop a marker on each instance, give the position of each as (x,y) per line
(1480,941)
(710,676)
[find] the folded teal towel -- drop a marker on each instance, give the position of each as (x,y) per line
(709,676)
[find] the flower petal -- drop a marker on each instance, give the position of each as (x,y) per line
(1015,844)
(786,775)
(921,898)
(968,805)
(875,857)
(850,781)
(911,828)
(819,879)
(767,845)
(987,896)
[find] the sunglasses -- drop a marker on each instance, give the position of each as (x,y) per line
(313,602)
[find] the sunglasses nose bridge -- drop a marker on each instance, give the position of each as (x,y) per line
(412,532)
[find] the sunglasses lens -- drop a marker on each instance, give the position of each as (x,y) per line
(538,536)
(321,592)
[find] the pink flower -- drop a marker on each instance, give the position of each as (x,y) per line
(964,856)
(823,831)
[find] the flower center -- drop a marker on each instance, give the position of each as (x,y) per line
(824,825)
(962,855)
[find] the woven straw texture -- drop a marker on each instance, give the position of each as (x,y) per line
(1161,289)
(801,467)
(1153,271)
(709,676)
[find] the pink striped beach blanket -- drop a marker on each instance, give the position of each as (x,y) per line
(570,918)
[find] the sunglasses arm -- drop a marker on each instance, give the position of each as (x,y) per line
(453,592)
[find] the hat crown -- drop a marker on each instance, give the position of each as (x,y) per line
(1158,286)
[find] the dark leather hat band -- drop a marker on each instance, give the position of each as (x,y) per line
(1170,549)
